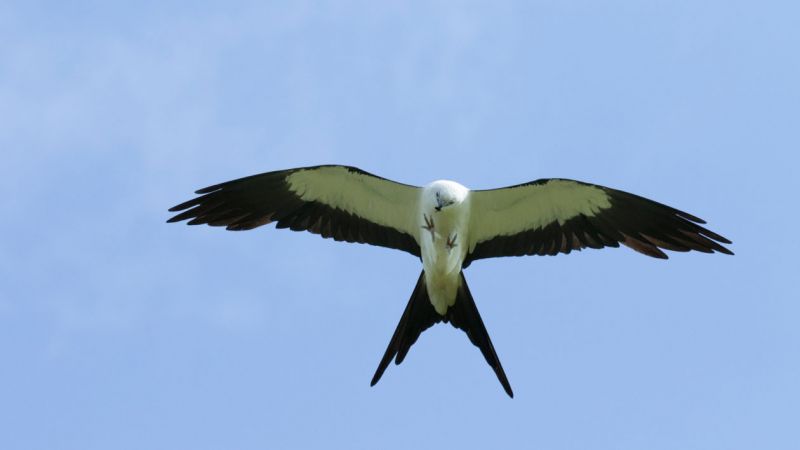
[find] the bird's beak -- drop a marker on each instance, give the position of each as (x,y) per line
(438,207)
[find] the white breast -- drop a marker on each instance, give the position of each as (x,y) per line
(442,262)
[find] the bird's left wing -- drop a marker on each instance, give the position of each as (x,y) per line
(551,216)
(341,202)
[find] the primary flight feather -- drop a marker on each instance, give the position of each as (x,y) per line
(448,226)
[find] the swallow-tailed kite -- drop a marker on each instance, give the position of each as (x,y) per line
(448,226)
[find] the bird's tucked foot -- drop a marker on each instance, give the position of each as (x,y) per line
(429,225)
(451,241)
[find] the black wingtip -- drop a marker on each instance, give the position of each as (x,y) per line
(691,217)
(722,239)
(207,190)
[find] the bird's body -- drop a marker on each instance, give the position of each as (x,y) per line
(448,227)
(440,244)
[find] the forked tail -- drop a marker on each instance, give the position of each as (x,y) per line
(420,315)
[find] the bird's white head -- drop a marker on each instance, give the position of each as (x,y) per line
(441,194)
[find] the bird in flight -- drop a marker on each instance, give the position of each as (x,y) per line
(448,227)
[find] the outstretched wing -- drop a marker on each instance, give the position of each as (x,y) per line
(551,216)
(341,202)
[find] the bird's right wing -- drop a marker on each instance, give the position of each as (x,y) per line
(341,202)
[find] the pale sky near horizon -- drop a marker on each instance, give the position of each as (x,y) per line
(119,331)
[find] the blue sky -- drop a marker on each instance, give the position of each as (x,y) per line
(122,332)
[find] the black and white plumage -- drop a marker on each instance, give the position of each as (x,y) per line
(448,226)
